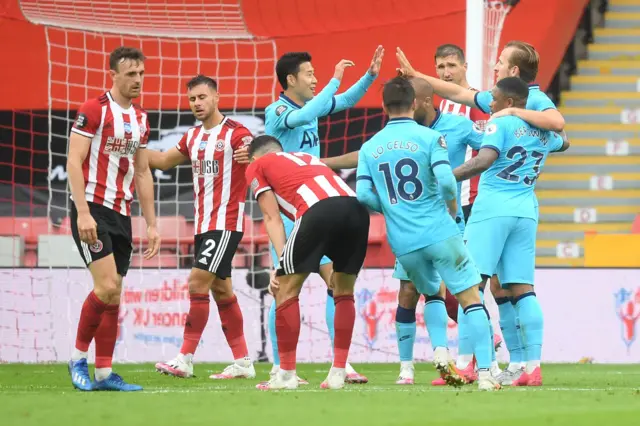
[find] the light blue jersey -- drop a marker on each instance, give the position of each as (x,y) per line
(537,100)
(501,232)
(507,187)
(459,132)
(408,166)
(296,127)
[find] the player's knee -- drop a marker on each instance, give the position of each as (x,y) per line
(408,295)
(107,287)
(343,283)
(494,284)
(442,291)
(222,289)
(199,282)
(517,290)
(470,296)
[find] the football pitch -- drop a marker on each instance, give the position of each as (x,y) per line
(41,394)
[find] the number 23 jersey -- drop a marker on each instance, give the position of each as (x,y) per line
(507,187)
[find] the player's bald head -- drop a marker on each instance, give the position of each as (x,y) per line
(422,88)
(263,145)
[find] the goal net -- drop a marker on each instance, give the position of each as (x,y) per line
(45,284)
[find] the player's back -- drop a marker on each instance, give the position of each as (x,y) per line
(299,181)
(302,138)
(507,187)
(400,160)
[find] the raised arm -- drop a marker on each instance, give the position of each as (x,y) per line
(353,95)
(444,89)
(317,106)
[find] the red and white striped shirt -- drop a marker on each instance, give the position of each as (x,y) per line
(116,134)
(299,180)
(219,185)
(469,189)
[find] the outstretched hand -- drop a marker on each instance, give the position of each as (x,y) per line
(345,63)
(404,66)
(376,62)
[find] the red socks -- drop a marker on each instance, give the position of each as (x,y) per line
(343,326)
(196,322)
(232,326)
(106,336)
(451,304)
(90,317)
(288,332)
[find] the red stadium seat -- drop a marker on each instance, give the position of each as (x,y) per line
(377,229)
(30,259)
(173,230)
(163,260)
(635,228)
(27,227)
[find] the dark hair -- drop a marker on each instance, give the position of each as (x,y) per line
(263,142)
(398,95)
(445,50)
(202,79)
(289,63)
(526,58)
(514,87)
(122,53)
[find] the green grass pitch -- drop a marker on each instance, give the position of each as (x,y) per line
(572,395)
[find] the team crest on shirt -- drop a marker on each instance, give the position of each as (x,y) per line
(219,145)
(254,184)
(81,121)
(246,141)
(280,110)
(490,129)
(202,146)
(127,127)
(96,247)
(442,142)
(479,126)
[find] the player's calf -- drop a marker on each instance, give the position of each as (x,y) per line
(408,297)
(531,326)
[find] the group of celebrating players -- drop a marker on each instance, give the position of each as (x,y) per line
(418,171)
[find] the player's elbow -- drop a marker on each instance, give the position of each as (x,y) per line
(556,122)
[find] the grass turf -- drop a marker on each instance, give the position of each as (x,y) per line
(41,394)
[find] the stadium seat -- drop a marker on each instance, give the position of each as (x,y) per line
(377,229)
(635,228)
(173,230)
(27,227)
(379,253)
(164,259)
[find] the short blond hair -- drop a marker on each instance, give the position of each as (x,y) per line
(526,58)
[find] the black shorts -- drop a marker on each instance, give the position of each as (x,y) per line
(214,251)
(466,211)
(336,227)
(114,237)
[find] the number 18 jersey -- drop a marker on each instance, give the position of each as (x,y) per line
(507,187)
(399,160)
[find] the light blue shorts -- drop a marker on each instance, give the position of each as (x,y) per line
(288,227)
(448,259)
(505,246)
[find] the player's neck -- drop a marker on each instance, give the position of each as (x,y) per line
(213,121)
(396,116)
(122,101)
(294,97)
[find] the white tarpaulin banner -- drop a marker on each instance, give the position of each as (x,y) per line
(588,313)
